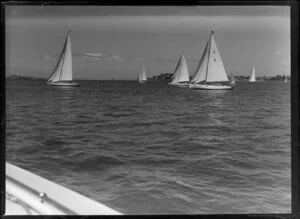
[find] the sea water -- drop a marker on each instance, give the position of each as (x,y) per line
(156,149)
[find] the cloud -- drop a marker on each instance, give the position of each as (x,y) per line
(278,55)
(278,52)
(96,56)
(116,57)
(93,54)
(139,59)
(48,57)
(285,62)
(99,56)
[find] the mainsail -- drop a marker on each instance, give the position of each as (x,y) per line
(63,68)
(252,77)
(210,67)
(142,75)
(181,73)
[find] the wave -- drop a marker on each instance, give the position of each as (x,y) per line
(91,163)
(55,143)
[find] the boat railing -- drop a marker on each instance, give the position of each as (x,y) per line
(48,198)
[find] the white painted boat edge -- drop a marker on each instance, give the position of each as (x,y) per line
(46,197)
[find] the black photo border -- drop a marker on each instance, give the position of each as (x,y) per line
(295,113)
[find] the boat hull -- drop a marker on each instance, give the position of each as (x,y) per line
(63,84)
(210,87)
(179,85)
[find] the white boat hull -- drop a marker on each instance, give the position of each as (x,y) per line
(30,194)
(179,85)
(210,87)
(62,83)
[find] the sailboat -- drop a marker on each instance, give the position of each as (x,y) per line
(210,73)
(142,76)
(232,81)
(285,80)
(181,76)
(252,77)
(62,74)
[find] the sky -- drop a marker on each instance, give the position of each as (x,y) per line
(116,41)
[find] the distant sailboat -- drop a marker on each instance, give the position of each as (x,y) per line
(181,76)
(210,73)
(232,81)
(142,76)
(62,74)
(285,80)
(252,77)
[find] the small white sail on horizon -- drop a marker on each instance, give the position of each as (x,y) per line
(142,76)
(62,74)
(232,81)
(181,75)
(285,80)
(210,73)
(252,77)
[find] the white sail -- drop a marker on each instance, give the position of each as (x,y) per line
(66,72)
(216,70)
(175,71)
(181,73)
(142,75)
(200,73)
(232,80)
(63,68)
(252,77)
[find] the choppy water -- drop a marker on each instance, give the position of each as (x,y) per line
(154,149)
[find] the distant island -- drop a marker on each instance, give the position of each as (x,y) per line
(167,76)
(162,76)
(263,78)
(29,78)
